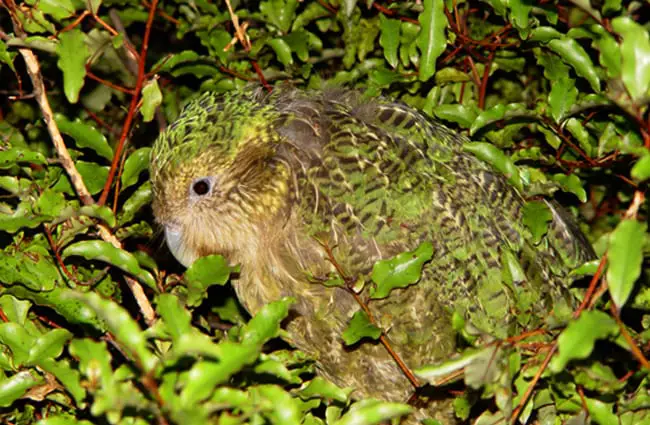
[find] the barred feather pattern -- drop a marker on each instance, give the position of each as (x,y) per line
(372,178)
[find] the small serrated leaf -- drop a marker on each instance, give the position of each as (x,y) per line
(266,322)
(574,54)
(106,252)
(625,258)
(204,273)
(151,99)
(578,339)
(537,216)
(126,330)
(358,328)
(73,53)
(400,271)
(389,39)
(562,97)
(635,51)
(321,388)
(135,163)
(494,156)
(373,412)
(641,170)
(431,40)
(84,135)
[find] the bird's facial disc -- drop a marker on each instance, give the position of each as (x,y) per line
(199,190)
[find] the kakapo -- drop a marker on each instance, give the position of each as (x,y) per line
(267,179)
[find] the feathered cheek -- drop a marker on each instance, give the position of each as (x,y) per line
(179,249)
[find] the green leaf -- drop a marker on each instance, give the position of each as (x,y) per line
(10,157)
(139,199)
(494,156)
(73,53)
(573,54)
(280,13)
(321,388)
(177,319)
(439,373)
(373,412)
(14,387)
(94,359)
(544,34)
(578,339)
(7,57)
(572,184)
(578,131)
(107,253)
(94,175)
(641,170)
(285,410)
(494,114)
(19,341)
(14,309)
(58,9)
(536,217)
(400,271)
(151,99)
(127,332)
(85,135)
(49,345)
(460,114)
(635,50)
(63,420)
(625,258)
(601,412)
(204,273)
(431,40)
(562,97)
(609,52)
(519,12)
(68,376)
(390,38)
(266,322)
(360,327)
(282,50)
(205,375)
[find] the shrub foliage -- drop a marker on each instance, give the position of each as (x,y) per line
(98,324)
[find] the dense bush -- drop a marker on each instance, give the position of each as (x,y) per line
(558,90)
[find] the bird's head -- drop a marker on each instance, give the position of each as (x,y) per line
(217,181)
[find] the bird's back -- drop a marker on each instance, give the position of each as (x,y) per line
(377,178)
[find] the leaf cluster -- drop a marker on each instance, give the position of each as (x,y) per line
(554,94)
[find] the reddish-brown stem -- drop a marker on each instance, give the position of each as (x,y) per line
(382,338)
(108,83)
(162,14)
(73,24)
(259,73)
(389,12)
(484,80)
(592,286)
(533,383)
(636,352)
(132,107)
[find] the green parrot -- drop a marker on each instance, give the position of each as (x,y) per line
(270,180)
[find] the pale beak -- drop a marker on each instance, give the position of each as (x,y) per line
(180,251)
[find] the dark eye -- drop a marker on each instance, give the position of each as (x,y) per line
(201,187)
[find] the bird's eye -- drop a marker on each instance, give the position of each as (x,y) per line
(201,187)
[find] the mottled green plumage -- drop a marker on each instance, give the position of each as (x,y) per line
(372,178)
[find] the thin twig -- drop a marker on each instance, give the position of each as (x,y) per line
(382,338)
(132,107)
(33,69)
(533,384)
